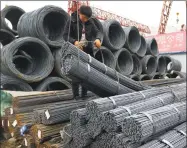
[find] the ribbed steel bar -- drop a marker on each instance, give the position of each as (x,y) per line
(61,112)
(99,83)
(25,118)
(114,118)
(142,126)
(68,48)
(175,138)
(97,107)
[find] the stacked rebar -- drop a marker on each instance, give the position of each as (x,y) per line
(143,125)
(174,138)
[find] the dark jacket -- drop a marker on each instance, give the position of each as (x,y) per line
(91,31)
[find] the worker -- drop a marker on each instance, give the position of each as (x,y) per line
(80,22)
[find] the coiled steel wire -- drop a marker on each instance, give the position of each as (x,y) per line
(152,47)
(14,84)
(137,65)
(46,23)
(114,36)
(172,64)
(135,77)
(174,138)
(177,74)
(68,48)
(143,125)
(6,37)
(113,119)
(105,56)
(53,83)
(158,76)
(145,77)
(124,61)
(149,65)
(143,48)
(13,14)
(133,39)
(35,50)
(161,64)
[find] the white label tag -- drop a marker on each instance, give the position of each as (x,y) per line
(14,123)
(39,134)
(2,122)
(12,134)
(8,123)
(47,114)
(26,144)
(11,111)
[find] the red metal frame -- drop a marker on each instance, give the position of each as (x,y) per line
(104,15)
(164,16)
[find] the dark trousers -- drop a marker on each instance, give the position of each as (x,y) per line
(75,85)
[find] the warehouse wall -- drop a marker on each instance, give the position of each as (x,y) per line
(181,57)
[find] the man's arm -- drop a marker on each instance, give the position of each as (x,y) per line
(97,31)
(67,32)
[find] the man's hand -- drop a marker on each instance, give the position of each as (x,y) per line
(97,43)
(76,43)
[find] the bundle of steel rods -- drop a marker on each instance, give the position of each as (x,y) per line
(175,138)
(143,125)
(114,118)
(99,83)
(25,118)
(69,49)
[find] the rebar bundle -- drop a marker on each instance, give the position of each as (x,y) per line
(97,107)
(69,49)
(143,125)
(174,138)
(61,112)
(42,133)
(113,119)
(100,84)
(29,141)
(25,118)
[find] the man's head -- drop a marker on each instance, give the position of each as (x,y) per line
(85,13)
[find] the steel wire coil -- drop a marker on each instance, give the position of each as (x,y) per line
(14,84)
(152,47)
(142,126)
(135,77)
(114,36)
(53,83)
(161,64)
(143,48)
(124,61)
(174,138)
(133,39)
(113,119)
(137,65)
(177,74)
(13,14)
(102,85)
(105,56)
(158,76)
(172,64)
(46,23)
(145,77)
(68,48)
(149,65)
(6,37)
(34,49)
